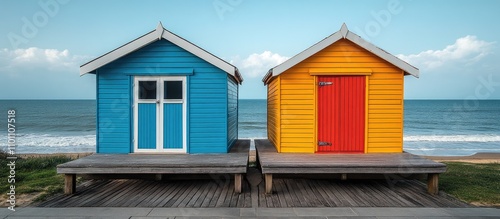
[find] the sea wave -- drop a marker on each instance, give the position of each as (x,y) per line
(47,140)
(453,138)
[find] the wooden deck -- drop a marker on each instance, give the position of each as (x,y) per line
(290,192)
(235,162)
(272,162)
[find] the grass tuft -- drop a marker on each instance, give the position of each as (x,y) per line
(34,175)
(472,183)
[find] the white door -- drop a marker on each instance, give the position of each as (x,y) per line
(160,114)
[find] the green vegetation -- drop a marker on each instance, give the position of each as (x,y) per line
(472,183)
(34,175)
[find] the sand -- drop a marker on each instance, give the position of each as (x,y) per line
(476,158)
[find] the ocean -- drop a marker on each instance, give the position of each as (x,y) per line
(431,127)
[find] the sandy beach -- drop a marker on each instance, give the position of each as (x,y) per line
(476,158)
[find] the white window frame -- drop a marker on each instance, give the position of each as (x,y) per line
(160,101)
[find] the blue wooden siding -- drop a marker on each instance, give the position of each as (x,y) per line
(207,124)
(146,134)
(113,113)
(172,125)
(232,112)
(208,117)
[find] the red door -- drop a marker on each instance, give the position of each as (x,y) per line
(341,114)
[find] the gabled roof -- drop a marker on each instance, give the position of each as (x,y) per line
(343,33)
(158,34)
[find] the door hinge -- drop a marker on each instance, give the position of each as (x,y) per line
(325,83)
(324,143)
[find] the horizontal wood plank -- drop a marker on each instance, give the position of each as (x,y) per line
(233,162)
(397,163)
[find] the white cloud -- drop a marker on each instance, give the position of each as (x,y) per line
(257,65)
(466,50)
(19,60)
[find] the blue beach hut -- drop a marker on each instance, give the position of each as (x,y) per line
(162,94)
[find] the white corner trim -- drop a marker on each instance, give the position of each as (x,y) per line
(159,30)
(344,30)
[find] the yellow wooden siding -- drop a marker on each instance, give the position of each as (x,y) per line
(298,99)
(385,117)
(297,112)
(273,112)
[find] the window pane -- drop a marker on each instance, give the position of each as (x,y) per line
(147,89)
(173,90)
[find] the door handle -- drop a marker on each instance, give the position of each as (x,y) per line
(157,101)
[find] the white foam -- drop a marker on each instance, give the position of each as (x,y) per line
(47,140)
(453,138)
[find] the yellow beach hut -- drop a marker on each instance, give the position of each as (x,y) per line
(341,95)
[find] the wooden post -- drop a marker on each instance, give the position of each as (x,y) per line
(433,183)
(69,184)
(237,182)
(269,183)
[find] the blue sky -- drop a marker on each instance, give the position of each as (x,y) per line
(455,44)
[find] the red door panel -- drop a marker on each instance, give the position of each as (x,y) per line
(341,114)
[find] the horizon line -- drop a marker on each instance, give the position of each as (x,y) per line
(247,99)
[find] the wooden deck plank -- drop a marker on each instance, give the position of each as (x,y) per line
(275,200)
(419,189)
(194,194)
(262,198)
(324,196)
(209,194)
(222,197)
(248,194)
(163,197)
(272,162)
(169,199)
(290,192)
(116,190)
(315,196)
(153,201)
(229,193)
(380,198)
(88,197)
(233,162)
(86,192)
(217,195)
(147,194)
(410,193)
(234,199)
(286,194)
(137,193)
(346,199)
(186,195)
(298,193)
(203,194)
(280,193)
(390,191)
(327,187)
